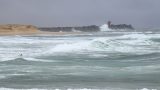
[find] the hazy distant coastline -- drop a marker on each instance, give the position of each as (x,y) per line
(90,28)
(17,29)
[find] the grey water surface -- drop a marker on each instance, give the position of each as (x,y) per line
(104,60)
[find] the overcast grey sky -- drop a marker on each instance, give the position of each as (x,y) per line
(139,13)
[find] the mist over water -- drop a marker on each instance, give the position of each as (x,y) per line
(110,60)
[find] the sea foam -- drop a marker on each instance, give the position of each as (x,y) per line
(105,28)
(12,47)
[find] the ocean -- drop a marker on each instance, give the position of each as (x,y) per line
(106,60)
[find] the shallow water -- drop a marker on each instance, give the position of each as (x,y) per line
(105,60)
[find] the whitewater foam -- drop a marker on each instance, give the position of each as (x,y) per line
(124,44)
(130,43)
(105,28)
(124,59)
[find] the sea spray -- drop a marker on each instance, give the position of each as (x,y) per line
(105,28)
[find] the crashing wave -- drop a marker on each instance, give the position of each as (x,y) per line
(132,43)
(104,28)
(128,43)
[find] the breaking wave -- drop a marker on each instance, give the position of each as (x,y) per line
(135,43)
(101,60)
(105,28)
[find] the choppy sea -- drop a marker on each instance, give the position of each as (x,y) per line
(111,60)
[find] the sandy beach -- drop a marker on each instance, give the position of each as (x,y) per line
(16,29)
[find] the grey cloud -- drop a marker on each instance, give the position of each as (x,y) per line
(140,13)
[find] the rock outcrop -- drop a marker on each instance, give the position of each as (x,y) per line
(119,26)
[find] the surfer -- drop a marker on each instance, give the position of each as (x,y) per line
(21,54)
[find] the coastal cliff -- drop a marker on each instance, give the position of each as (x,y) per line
(14,29)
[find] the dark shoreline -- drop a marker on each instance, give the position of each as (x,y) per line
(91,28)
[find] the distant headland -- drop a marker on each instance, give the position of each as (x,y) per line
(17,29)
(90,28)
(119,26)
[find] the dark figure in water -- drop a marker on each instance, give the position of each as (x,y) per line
(21,55)
(119,26)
